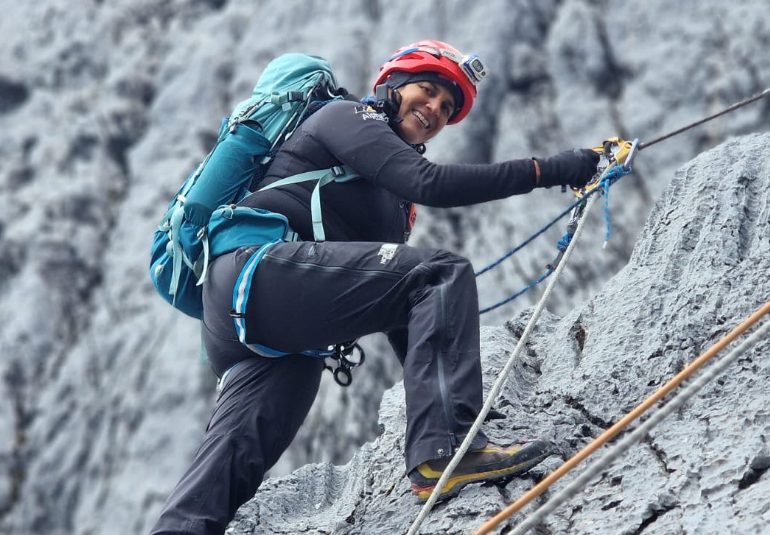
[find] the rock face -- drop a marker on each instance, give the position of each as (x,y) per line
(698,269)
(105,107)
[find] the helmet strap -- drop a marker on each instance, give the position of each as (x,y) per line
(388,102)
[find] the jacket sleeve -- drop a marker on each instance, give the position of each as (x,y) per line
(364,141)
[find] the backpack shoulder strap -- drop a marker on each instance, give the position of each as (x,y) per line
(338,173)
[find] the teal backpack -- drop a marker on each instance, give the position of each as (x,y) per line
(202,221)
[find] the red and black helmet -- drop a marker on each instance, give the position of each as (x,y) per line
(464,71)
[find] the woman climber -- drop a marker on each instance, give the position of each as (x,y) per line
(363,279)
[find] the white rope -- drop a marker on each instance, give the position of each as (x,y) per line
(492,396)
(601,464)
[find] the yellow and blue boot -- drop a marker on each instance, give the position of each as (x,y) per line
(489,463)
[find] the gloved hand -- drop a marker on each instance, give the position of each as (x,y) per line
(569,168)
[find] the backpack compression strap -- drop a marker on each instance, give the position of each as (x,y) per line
(339,173)
(177,253)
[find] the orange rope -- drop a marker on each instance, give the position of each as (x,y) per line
(605,437)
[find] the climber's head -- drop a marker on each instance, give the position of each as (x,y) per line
(437,85)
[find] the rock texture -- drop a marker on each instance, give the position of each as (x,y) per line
(698,269)
(106,106)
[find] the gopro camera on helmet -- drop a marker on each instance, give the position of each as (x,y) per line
(473,68)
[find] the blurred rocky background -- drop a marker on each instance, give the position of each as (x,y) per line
(105,107)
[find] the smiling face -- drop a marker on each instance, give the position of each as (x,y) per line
(425,109)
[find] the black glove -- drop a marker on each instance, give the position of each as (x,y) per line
(569,168)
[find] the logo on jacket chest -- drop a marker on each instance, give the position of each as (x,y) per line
(367,112)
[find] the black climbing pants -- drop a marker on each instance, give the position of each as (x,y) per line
(308,295)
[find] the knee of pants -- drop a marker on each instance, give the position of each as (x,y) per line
(445,267)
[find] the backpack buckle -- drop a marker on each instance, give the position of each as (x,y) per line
(338,171)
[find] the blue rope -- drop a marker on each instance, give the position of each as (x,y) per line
(607,222)
(615,174)
(564,242)
(519,293)
(535,235)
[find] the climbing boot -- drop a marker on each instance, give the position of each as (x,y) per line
(485,464)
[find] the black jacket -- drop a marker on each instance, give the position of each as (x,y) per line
(394,175)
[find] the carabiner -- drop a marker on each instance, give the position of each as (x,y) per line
(342,376)
(348,351)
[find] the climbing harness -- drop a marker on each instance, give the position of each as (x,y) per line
(607,435)
(606,175)
(344,356)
